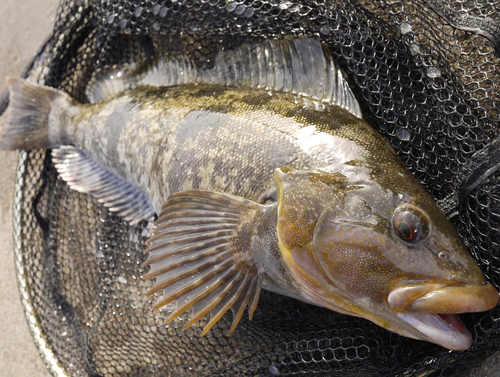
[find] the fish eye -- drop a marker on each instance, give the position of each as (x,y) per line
(410,223)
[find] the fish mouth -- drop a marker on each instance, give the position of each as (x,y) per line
(432,310)
(447,330)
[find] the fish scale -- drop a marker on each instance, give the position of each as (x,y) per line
(220,137)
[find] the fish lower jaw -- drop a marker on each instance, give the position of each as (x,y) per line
(447,330)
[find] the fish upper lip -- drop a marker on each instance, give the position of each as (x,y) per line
(443,299)
(456,299)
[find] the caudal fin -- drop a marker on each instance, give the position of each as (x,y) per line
(27,127)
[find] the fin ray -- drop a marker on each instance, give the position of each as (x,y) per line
(161,249)
(287,65)
(205,276)
(83,174)
(226,306)
(173,230)
(212,304)
(157,269)
(255,297)
(201,264)
(206,291)
(241,305)
(28,124)
(168,70)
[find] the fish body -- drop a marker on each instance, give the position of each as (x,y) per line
(214,138)
(257,188)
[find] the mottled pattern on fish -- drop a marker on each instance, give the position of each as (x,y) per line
(213,138)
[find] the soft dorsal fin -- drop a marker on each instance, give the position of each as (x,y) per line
(86,175)
(108,82)
(199,255)
(167,70)
(298,65)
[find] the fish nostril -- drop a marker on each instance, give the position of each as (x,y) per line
(443,255)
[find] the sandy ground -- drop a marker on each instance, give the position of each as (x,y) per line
(24,25)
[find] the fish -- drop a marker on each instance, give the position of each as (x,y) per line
(262,174)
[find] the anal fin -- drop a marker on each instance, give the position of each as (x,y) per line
(83,174)
(200,256)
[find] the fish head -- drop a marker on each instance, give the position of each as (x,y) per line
(390,256)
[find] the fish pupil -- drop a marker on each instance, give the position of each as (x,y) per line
(404,230)
(411,224)
(407,227)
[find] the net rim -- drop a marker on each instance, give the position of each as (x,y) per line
(37,332)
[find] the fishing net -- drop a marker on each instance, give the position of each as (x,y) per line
(427,76)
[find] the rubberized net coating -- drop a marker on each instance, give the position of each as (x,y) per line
(427,76)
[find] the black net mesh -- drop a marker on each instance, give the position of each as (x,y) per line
(427,75)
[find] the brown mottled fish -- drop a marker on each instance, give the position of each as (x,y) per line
(263,175)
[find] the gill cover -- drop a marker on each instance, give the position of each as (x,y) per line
(302,198)
(328,238)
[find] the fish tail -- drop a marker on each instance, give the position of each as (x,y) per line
(28,125)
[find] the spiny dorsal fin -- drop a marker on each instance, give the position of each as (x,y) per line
(86,175)
(168,70)
(108,82)
(198,255)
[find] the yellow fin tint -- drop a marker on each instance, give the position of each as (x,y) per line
(200,259)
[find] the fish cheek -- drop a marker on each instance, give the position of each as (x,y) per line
(352,258)
(302,197)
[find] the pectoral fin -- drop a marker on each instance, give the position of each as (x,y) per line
(199,255)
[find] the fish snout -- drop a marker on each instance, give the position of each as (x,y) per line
(457,299)
(444,299)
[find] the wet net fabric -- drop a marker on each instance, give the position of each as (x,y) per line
(427,76)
